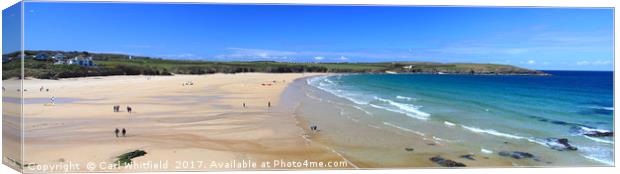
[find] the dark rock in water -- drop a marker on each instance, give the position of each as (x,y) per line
(564,142)
(516,154)
(591,132)
(505,142)
(446,162)
(468,156)
(409,149)
(599,134)
(560,144)
(431,144)
(559,122)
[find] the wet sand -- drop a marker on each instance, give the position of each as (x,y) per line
(369,141)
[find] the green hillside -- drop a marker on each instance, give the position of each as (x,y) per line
(118,64)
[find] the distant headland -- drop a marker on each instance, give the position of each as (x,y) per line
(45,64)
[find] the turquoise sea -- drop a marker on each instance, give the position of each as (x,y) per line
(523,110)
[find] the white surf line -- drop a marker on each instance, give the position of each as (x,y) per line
(334,151)
(373,126)
(308,141)
(361,109)
(343,158)
(597,160)
(304,135)
(487,151)
(404,129)
(449,123)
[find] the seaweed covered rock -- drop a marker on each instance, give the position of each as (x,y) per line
(560,144)
(516,154)
(446,162)
(125,159)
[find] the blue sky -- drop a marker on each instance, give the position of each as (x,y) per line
(537,38)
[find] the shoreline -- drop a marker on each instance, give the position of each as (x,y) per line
(345,124)
(206,121)
(365,153)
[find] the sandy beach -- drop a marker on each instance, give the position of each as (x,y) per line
(191,122)
(228,122)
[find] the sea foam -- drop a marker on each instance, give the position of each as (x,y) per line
(329,86)
(405,108)
(405,98)
(597,154)
(599,140)
(449,123)
(601,107)
(492,132)
(483,150)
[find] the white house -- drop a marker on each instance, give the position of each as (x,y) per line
(82,61)
(59,56)
(41,56)
(79,60)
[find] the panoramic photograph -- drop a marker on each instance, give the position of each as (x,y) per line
(130,87)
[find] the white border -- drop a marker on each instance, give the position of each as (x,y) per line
(556,3)
(520,3)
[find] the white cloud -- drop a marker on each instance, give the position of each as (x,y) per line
(593,63)
(480,49)
(583,62)
(573,37)
(247,53)
(531,62)
(251,53)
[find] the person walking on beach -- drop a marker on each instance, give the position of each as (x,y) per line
(129,109)
(314,127)
(124,132)
(269,104)
(116,132)
(41,89)
(243,104)
(53,100)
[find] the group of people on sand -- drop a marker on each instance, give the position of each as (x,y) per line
(271,83)
(268,104)
(188,83)
(124,132)
(314,128)
(117,108)
(42,88)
